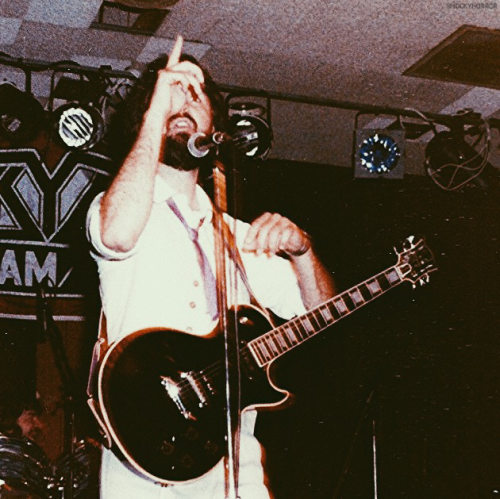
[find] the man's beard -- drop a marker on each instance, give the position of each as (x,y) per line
(177,155)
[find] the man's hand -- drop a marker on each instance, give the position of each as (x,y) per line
(272,233)
(177,84)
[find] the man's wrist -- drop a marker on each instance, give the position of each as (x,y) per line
(305,248)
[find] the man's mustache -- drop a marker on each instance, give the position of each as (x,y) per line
(182,115)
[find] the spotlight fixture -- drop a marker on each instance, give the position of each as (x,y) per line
(22,117)
(79,126)
(250,131)
(454,158)
(379,154)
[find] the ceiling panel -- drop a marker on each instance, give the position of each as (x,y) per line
(353,51)
(73,13)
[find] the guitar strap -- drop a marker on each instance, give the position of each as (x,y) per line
(235,255)
(98,352)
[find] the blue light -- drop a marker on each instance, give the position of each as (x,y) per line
(379,153)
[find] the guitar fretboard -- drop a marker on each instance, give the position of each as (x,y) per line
(275,343)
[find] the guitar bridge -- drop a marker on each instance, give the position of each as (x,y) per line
(175,392)
(181,391)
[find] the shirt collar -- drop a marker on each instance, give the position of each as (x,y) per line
(163,191)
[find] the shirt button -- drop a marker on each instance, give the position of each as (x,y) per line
(196,283)
(192,304)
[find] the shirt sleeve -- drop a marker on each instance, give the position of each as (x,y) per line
(99,250)
(273,280)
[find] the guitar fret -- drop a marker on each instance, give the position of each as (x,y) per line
(301,332)
(392,276)
(291,335)
(318,320)
(356,297)
(264,350)
(383,282)
(283,338)
(281,341)
(341,306)
(260,355)
(334,311)
(327,315)
(374,287)
(307,324)
(365,292)
(272,344)
(351,306)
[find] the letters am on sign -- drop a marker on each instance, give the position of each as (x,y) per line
(42,227)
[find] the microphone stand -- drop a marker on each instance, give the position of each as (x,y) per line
(369,407)
(52,332)
(230,337)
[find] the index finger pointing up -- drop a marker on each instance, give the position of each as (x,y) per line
(176,52)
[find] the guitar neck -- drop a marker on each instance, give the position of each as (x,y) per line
(277,342)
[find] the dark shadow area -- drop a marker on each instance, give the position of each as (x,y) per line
(421,364)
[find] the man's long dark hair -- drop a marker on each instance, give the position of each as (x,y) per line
(127,120)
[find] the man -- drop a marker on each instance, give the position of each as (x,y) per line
(151,276)
(20,416)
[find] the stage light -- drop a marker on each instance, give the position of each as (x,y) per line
(452,161)
(379,154)
(250,131)
(22,117)
(79,126)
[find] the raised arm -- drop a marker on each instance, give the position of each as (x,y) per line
(273,233)
(127,203)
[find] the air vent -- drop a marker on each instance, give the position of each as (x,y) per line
(471,56)
(126,18)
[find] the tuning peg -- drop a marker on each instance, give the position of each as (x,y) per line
(409,242)
(424,280)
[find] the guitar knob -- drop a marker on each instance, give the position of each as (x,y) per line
(191,434)
(211,447)
(245,321)
(187,461)
(167,448)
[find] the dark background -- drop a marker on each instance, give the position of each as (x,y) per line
(418,365)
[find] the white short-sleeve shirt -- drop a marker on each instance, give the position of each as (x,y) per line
(159,282)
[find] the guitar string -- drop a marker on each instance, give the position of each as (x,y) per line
(185,387)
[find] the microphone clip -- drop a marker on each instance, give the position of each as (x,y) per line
(200,144)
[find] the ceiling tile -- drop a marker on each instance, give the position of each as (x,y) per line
(482,100)
(53,43)
(9,28)
(96,62)
(156,46)
(72,13)
(13,8)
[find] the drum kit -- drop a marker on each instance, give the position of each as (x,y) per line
(27,473)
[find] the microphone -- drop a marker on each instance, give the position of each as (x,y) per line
(200,144)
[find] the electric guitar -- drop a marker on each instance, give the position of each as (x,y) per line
(162,392)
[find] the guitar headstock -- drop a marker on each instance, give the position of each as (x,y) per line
(415,261)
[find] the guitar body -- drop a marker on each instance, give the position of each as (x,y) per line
(162,396)
(162,392)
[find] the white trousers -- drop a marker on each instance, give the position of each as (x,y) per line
(119,480)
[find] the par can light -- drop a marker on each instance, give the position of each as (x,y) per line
(79,126)
(379,154)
